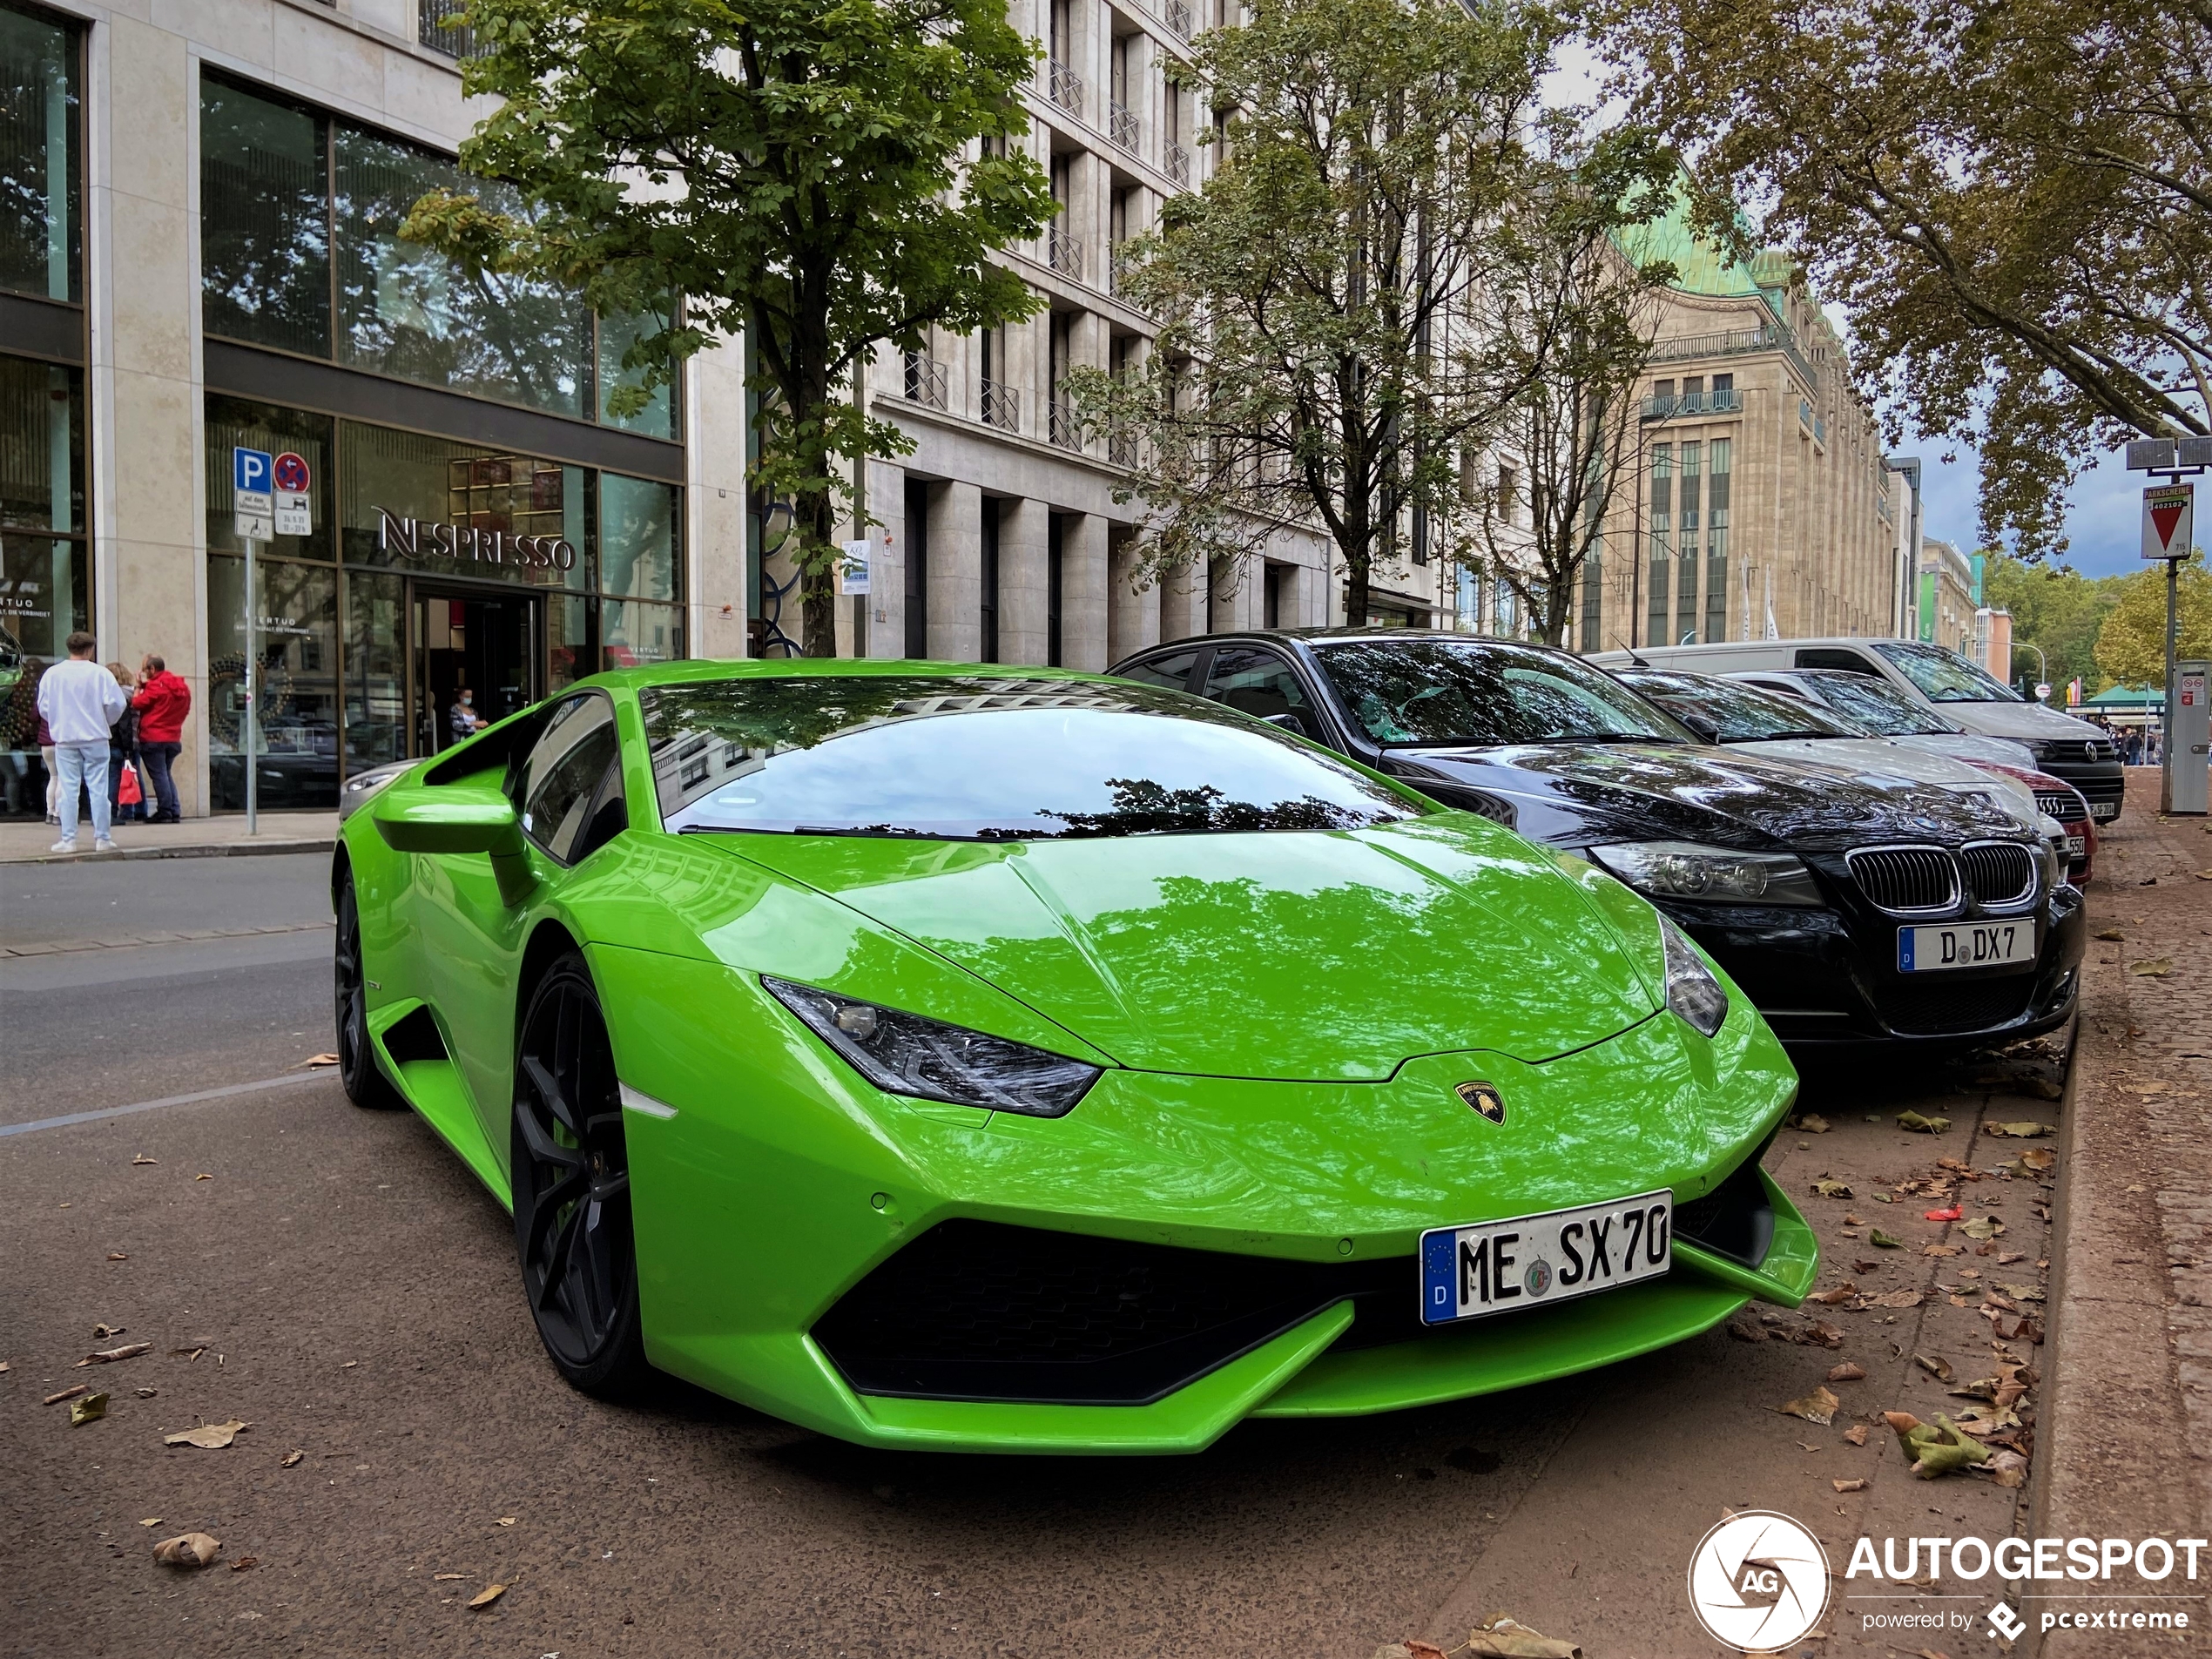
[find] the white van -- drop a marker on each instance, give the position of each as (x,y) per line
(2064,746)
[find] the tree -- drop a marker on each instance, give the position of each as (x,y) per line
(1312,361)
(2131,646)
(2012,198)
(1570,312)
(2058,612)
(794,170)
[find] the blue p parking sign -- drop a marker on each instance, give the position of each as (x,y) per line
(250,471)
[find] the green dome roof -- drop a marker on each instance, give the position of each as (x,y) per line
(1702,268)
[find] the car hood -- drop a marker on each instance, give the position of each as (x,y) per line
(1281,956)
(1967,745)
(1699,792)
(1878,763)
(2023,722)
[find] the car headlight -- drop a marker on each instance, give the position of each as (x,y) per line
(904,1054)
(1692,991)
(1719,875)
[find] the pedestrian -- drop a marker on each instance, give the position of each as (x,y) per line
(463,717)
(126,799)
(162,703)
(53,773)
(81,703)
(2132,749)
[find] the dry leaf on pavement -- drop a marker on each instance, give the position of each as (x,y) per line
(1983,1227)
(151,1521)
(1919,1125)
(2152,968)
(1505,1638)
(1819,1407)
(244,1562)
(1895,1300)
(1831,1190)
(142,1159)
(108,1356)
(2007,1469)
(1939,1249)
(99,1331)
(1936,1366)
(186,1549)
(2113,934)
(116,1256)
(1881,1240)
(1842,1293)
(1414,1648)
(506,1520)
(89,1409)
(1849,1485)
(1818,1334)
(487,1596)
(291,1458)
(2022,1131)
(211,1436)
(320,1060)
(1850,1370)
(1855,1433)
(442,1577)
(59,1395)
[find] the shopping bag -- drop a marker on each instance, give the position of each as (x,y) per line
(127,792)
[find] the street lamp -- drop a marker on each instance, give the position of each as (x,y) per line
(2042,665)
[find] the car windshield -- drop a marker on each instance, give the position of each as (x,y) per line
(1879,706)
(1735,713)
(1417,692)
(985,758)
(1943,676)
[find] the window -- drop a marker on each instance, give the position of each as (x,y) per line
(1509,496)
(39,237)
(1735,712)
(572,769)
(1720,454)
(1942,675)
(1260,683)
(992,759)
(1440,691)
(1838,657)
(1173,672)
(265,221)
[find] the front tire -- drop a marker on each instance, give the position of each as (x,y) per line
(365,1085)
(571,1188)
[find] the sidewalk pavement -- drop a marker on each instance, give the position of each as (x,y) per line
(26,842)
(2126,1434)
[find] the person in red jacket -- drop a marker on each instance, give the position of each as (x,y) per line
(162,703)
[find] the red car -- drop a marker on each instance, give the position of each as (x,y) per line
(2055,798)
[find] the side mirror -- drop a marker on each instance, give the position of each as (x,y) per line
(458,818)
(1288,723)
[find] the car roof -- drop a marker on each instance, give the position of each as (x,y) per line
(694,669)
(1342,634)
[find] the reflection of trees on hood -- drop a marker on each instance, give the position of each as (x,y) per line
(1143,807)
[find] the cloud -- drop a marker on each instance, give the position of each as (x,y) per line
(2103,518)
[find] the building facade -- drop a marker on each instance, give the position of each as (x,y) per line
(211,262)
(1948,598)
(1759,503)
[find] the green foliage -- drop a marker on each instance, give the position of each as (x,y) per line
(1308,367)
(799,171)
(2012,198)
(2057,610)
(2131,646)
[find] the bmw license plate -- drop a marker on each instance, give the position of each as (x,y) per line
(1966,944)
(1502,1266)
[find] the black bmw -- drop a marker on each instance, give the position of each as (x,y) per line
(1848,912)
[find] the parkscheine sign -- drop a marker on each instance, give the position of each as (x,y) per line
(415,538)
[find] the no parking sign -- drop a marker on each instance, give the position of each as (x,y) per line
(289,474)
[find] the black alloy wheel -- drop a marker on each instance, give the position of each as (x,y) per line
(357,1071)
(571,1186)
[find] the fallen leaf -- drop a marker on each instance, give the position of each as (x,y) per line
(66,1394)
(1895,1300)
(244,1562)
(186,1549)
(1920,1125)
(108,1356)
(1855,1433)
(2006,1258)
(1841,1293)
(142,1159)
(116,1256)
(1849,1485)
(1863,1267)
(1747,1331)
(2022,1131)
(211,1436)
(1936,1366)
(1881,1240)
(320,1060)
(99,1331)
(1938,1448)
(1952,1214)
(1415,1647)
(1940,1249)
(1831,1190)
(89,1409)
(1813,1123)
(1850,1220)
(1818,1334)
(442,1577)
(1505,1638)
(1850,1370)
(2112,933)
(2007,1469)
(291,1458)
(506,1520)
(2152,968)
(1983,1227)
(2023,1293)
(486,1596)
(204,1175)
(1819,1407)
(151,1521)
(190,1353)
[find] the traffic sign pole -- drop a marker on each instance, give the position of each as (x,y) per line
(251,506)
(251,722)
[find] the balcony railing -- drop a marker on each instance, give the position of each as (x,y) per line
(1177,15)
(1065,430)
(1121,449)
(1061,84)
(1002,406)
(927,382)
(1120,126)
(430,28)
(1177,160)
(1773,336)
(1686,403)
(1063,252)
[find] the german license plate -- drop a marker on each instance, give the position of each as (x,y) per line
(2104,811)
(1501,1266)
(2076,845)
(1965,944)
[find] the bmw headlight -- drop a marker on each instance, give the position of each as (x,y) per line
(1692,991)
(904,1054)
(1718,874)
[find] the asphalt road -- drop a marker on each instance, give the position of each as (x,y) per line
(336,1280)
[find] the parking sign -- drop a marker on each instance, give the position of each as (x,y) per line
(252,507)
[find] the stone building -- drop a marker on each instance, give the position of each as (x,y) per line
(1949,596)
(1759,501)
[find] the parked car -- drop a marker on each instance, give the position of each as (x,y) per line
(1884,710)
(1014,1060)
(1850,914)
(1942,679)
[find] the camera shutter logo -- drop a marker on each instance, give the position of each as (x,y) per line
(1758,1581)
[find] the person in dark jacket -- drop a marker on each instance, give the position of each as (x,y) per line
(162,703)
(123,750)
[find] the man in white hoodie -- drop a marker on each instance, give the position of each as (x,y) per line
(79,701)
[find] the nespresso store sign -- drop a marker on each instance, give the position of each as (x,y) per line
(414,538)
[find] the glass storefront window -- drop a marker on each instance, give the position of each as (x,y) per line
(298,744)
(39,238)
(375,664)
(617,336)
(570,652)
(406,311)
(634,634)
(433,481)
(232,422)
(637,537)
(265,221)
(42,446)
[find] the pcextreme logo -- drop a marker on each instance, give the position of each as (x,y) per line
(1758,1581)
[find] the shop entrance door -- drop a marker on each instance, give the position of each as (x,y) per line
(482,644)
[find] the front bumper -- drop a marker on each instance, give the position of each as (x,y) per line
(1827,977)
(2103,783)
(783,1184)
